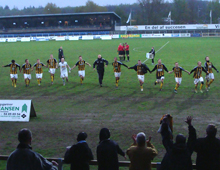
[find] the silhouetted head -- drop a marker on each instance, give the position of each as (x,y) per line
(104,134)
(25,136)
(13,61)
(211,131)
(141,139)
(180,139)
(81,136)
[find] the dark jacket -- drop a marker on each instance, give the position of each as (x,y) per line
(144,68)
(178,156)
(152,51)
(23,158)
(208,153)
(60,53)
(79,156)
(107,155)
(100,62)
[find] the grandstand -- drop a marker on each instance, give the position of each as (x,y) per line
(103,22)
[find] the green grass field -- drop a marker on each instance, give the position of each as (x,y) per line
(64,111)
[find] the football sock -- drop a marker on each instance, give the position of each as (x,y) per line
(63,80)
(15,81)
(210,82)
(206,84)
(38,80)
(201,86)
(141,86)
(196,86)
(176,86)
(81,80)
(128,58)
(26,81)
(161,85)
(51,78)
(124,57)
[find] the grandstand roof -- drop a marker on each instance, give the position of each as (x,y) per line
(63,14)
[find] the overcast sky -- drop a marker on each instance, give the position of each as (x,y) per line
(61,3)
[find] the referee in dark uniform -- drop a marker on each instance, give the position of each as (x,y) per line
(152,52)
(101,64)
(60,54)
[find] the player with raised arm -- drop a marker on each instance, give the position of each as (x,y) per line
(63,70)
(117,69)
(210,76)
(52,63)
(178,75)
(141,70)
(81,68)
(101,63)
(27,72)
(39,71)
(159,73)
(198,76)
(13,71)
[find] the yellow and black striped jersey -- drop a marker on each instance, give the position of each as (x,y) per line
(198,72)
(39,68)
(209,66)
(81,65)
(13,67)
(52,63)
(178,71)
(117,66)
(159,70)
(26,68)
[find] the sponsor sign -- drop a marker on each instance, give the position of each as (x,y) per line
(2,39)
(26,39)
(73,38)
(130,36)
(87,37)
(60,38)
(168,27)
(12,39)
(16,110)
(115,36)
(106,37)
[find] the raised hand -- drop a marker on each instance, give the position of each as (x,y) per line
(189,120)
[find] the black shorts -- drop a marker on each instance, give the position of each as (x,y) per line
(127,52)
(120,53)
(123,52)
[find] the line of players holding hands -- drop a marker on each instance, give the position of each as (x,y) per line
(140,68)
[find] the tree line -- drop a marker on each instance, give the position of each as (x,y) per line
(148,12)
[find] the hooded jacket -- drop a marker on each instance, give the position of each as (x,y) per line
(178,155)
(23,158)
(107,152)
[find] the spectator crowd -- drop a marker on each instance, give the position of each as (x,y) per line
(177,157)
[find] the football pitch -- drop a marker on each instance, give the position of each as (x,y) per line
(64,111)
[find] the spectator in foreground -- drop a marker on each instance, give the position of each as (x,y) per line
(140,155)
(107,152)
(23,158)
(208,150)
(79,154)
(178,155)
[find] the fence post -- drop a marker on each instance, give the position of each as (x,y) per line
(60,164)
